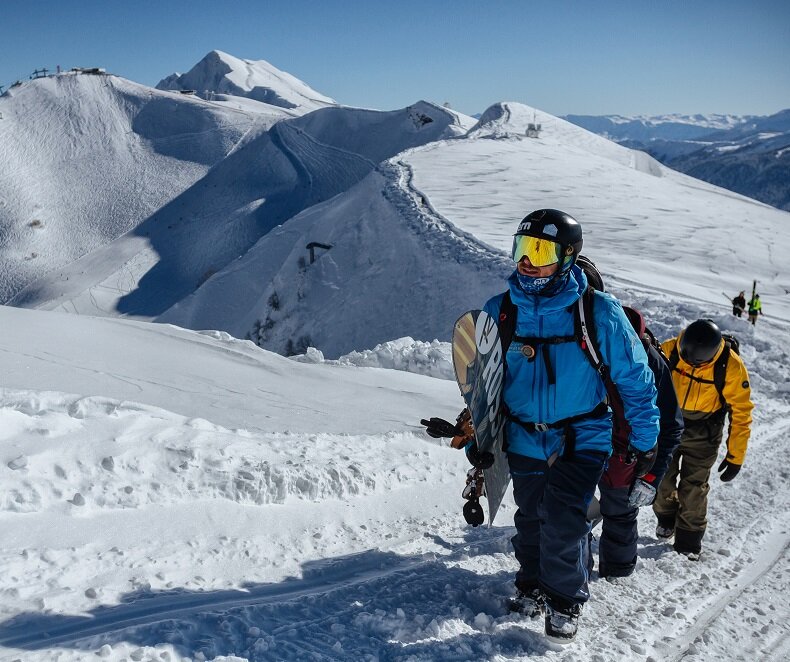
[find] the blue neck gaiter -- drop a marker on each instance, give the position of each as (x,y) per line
(532,285)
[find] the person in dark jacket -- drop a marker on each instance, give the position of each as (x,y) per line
(739,304)
(622,493)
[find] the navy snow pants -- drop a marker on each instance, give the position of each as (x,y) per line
(617,546)
(551,523)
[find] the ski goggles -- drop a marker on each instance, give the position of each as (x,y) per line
(540,252)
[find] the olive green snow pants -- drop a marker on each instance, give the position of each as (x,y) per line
(683,504)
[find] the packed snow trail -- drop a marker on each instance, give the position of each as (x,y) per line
(380,605)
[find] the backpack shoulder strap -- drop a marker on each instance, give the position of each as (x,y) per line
(586,333)
(587,337)
(507,322)
(720,372)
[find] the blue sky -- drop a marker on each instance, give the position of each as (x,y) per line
(583,57)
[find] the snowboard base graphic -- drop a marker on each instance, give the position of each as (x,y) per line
(479,371)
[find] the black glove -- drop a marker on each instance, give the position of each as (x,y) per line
(644,460)
(438,428)
(730,470)
(478,460)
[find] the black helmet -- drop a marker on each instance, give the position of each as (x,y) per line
(591,271)
(558,226)
(699,342)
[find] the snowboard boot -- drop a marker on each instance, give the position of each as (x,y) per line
(664,533)
(562,622)
(688,543)
(528,603)
(691,556)
(665,528)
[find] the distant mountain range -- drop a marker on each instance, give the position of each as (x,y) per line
(747,154)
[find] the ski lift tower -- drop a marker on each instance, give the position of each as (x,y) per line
(533,129)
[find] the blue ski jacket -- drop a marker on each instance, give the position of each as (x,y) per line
(578,388)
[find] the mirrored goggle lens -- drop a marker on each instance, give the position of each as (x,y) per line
(541,252)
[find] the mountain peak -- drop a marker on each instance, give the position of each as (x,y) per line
(221,73)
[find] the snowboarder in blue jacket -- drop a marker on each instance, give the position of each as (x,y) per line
(559,430)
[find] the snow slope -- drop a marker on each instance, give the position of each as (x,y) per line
(88,158)
(425,237)
(272,175)
(176,495)
(170,494)
(222,74)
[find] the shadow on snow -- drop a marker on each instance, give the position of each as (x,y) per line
(373,605)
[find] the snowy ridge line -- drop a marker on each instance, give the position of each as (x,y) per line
(323,578)
(432,359)
(420,215)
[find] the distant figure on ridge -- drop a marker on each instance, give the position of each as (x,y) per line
(755,309)
(739,304)
(711,382)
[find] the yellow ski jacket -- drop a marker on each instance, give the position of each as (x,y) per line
(697,394)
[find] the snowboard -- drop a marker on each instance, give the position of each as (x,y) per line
(479,371)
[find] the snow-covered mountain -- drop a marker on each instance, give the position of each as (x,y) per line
(186,495)
(230,251)
(120,176)
(271,176)
(87,158)
(219,75)
(746,154)
(453,203)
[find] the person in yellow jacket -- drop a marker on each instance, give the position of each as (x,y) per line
(711,381)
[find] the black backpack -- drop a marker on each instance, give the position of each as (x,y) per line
(731,344)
